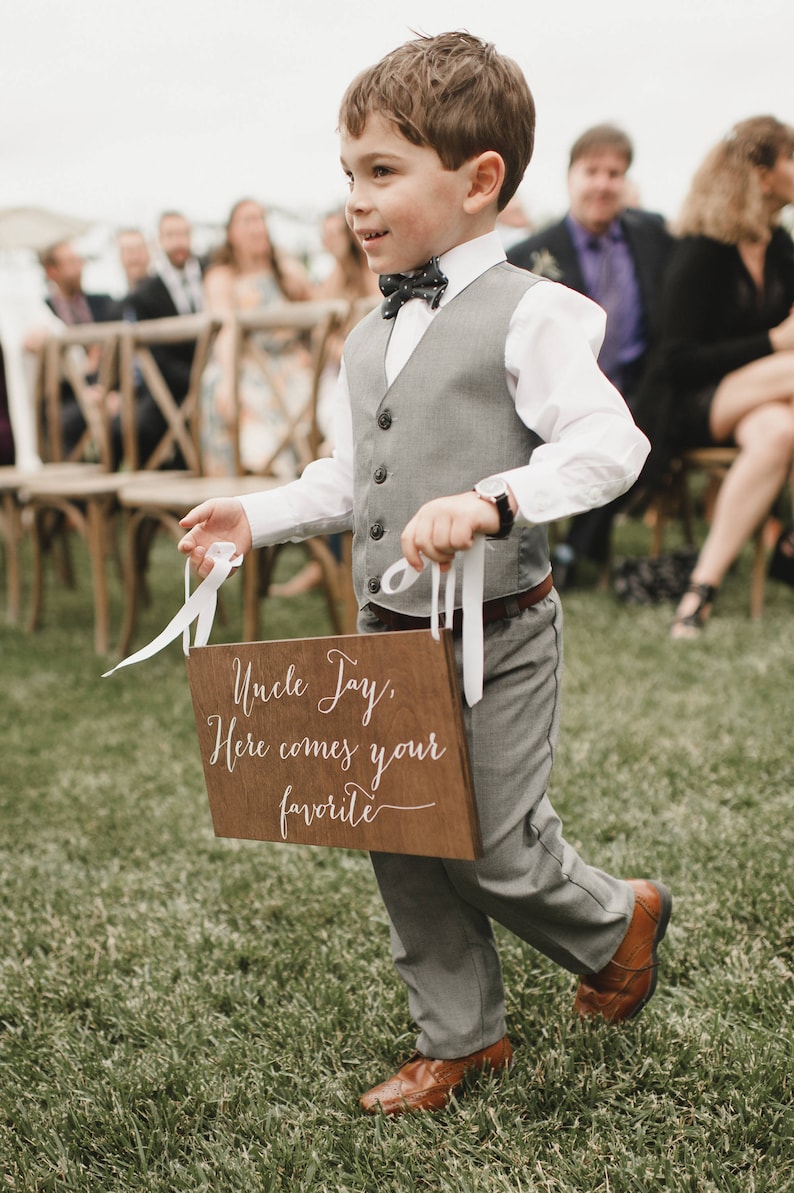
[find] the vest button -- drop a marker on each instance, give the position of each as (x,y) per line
(384,420)
(376,530)
(379,475)
(373,584)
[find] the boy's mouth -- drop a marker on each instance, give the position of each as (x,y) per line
(370,236)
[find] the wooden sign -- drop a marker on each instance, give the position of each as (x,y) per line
(353,741)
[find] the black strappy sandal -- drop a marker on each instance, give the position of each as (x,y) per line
(690,625)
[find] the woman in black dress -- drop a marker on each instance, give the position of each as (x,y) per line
(728,342)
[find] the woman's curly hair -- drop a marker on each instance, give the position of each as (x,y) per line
(725,199)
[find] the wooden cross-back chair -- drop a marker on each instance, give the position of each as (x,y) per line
(66,361)
(162,507)
(88,504)
(675,502)
(179,443)
(54,361)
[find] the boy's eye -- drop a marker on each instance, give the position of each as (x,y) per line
(380,171)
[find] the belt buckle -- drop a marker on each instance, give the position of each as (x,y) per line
(511,606)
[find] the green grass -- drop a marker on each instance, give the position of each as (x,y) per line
(179,1012)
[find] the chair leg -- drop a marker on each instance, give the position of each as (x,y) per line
(97,548)
(348,593)
(758,576)
(251,589)
(266,565)
(12,536)
(656,516)
(257,573)
(139,538)
(37,578)
(319,550)
(55,541)
(147,532)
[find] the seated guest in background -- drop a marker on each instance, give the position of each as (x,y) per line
(726,354)
(175,288)
(350,276)
(134,256)
(63,268)
(350,279)
(513,224)
(247,272)
(616,256)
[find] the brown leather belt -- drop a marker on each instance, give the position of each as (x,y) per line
(496,610)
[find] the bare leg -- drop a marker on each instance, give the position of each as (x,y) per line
(770,379)
(765,437)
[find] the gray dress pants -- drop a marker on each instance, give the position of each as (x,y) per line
(529,878)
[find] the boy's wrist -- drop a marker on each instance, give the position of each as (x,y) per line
(497,492)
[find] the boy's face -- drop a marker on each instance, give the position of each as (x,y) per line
(403,206)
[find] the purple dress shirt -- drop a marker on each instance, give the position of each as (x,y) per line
(611,280)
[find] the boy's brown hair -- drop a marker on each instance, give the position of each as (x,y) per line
(455,94)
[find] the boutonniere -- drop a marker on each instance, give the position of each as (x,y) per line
(544,264)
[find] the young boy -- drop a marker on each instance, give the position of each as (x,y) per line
(474,407)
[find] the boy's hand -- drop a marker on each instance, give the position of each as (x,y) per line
(217,521)
(446,525)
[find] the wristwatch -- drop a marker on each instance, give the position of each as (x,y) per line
(494,489)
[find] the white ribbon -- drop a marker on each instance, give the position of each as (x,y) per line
(200,607)
(401,576)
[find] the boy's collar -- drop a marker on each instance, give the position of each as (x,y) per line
(465,262)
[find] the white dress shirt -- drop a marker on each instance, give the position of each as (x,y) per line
(592,451)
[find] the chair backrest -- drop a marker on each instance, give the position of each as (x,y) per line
(180,437)
(260,338)
(82,365)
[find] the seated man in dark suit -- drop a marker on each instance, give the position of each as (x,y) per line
(617,256)
(63,269)
(174,289)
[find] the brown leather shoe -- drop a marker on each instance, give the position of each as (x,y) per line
(426,1084)
(623,987)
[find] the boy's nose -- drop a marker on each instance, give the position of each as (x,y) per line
(356,199)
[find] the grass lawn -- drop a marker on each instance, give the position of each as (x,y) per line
(179,1012)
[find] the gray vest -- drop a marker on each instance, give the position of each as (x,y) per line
(447,421)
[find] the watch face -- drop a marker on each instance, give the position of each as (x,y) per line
(492,487)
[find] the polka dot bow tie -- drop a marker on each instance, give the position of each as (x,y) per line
(428,283)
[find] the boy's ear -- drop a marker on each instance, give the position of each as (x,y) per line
(487,173)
